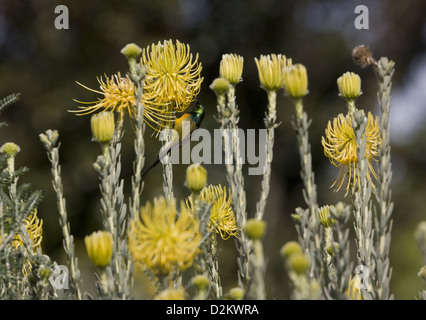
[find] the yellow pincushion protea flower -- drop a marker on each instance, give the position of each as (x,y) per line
(222,218)
(34,227)
(340,147)
(173,75)
(271,71)
(162,239)
(118,96)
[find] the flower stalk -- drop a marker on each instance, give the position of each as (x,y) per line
(50,140)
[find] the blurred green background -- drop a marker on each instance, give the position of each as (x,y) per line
(44,63)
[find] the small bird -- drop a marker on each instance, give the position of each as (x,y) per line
(195,117)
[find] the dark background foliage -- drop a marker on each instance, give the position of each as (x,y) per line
(44,63)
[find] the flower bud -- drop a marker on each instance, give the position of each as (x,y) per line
(324,217)
(102,125)
(270,69)
(196,177)
(349,85)
(99,248)
(290,248)
(299,262)
(171,294)
(201,282)
(10,148)
(255,229)
(220,86)
(231,68)
(49,139)
(131,51)
(235,294)
(296,81)
(44,273)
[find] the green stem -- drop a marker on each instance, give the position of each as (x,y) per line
(270,123)
(49,140)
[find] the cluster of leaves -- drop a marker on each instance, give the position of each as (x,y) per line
(24,271)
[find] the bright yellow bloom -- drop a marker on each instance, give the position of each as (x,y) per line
(163,240)
(271,71)
(296,81)
(99,248)
(349,85)
(341,149)
(118,95)
(34,230)
(173,77)
(231,68)
(222,218)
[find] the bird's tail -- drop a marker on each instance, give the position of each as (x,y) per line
(157,161)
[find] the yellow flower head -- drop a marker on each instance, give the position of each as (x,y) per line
(118,95)
(271,71)
(99,248)
(340,147)
(173,76)
(231,68)
(222,219)
(163,240)
(296,81)
(349,85)
(34,230)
